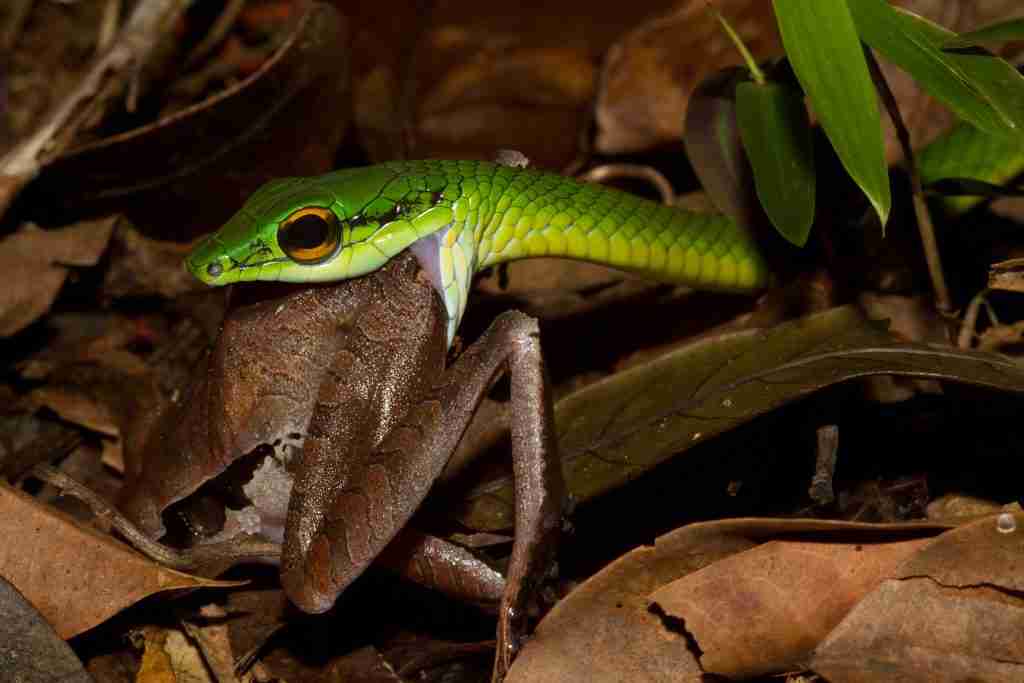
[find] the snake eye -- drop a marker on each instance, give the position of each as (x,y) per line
(310,235)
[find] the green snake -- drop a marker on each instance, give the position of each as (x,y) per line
(459,217)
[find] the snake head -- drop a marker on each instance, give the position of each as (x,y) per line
(298,230)
(286,226)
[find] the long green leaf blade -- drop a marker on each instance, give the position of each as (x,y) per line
(964,152)
(1001,32)
(776,134)
(981,89)
(821,43)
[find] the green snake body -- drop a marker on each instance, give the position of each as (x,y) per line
(460,217)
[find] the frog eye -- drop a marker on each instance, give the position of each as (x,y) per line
(309,235)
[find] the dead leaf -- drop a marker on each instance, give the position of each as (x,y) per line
(648,75)
(156,661)
(36,262)
(764,610)
(952,612)
(77,408)
(921,631)
(213,642)
(76,576)
(605,630)
(528,98)
(140,266)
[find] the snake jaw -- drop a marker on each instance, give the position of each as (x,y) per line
(203,262)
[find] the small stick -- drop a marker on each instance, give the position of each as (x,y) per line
(214,557)
(606,172)
(943,301)
(108,25)
(217,32)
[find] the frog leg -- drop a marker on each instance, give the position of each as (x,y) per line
(378,493)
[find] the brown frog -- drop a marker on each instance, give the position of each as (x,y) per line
(356,375)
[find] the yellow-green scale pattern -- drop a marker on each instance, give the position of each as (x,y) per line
(501,213)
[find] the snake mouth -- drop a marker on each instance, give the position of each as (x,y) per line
(203,263)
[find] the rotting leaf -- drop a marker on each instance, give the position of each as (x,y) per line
(36,262)
(952,612)
(614,605)
(76,576)
(614,430)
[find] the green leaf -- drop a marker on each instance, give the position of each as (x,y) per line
(1001,32)
(614,430)
(982,89)
(966,153)
(822,46)
(776,134)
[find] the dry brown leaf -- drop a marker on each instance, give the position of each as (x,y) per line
(605,630)
(560,77)
(176,656)
(156,662)
(214,643)
(140,266)
(953,612)
(649,74)
(74,575)
(36,262)
(986,552)
(500,78)
(918,630)
(762,610)
(77,408)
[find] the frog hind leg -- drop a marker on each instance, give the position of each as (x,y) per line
(378,494)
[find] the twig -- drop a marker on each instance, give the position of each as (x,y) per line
(132,47)
(108,25)
(943,301)
(211,558)
(969,325)
(217,32)
(606,172)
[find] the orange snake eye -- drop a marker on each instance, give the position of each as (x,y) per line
(310,235)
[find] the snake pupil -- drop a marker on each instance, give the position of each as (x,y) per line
(306,232)
(310,235)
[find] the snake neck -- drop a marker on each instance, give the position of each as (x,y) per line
(481,214)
